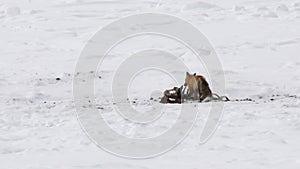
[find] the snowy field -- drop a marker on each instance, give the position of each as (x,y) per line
(257,42)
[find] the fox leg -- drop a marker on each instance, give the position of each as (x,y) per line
(196,96)
(200,92)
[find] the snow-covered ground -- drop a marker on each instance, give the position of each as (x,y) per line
(257,43)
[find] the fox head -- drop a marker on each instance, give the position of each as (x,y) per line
(188,77)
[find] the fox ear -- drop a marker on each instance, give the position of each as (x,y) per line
(194,74)
(187,73)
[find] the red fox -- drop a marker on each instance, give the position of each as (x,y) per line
(198,87)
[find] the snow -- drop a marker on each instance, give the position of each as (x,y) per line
(256,41)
